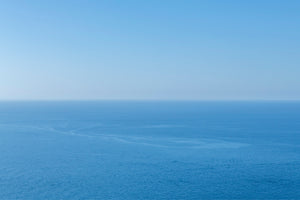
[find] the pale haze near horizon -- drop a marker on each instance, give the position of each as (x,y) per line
(182,50)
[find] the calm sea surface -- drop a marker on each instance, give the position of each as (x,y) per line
(149,150)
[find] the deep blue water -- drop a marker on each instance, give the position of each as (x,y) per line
(149,150)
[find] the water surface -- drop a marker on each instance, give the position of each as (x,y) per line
(149,150)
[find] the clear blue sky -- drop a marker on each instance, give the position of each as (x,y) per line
(192,50)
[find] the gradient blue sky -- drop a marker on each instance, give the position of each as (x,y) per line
(191,50)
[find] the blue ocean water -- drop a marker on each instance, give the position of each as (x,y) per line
(149,150)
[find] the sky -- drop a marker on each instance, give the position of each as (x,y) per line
(153,50)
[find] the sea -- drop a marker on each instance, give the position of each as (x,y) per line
(129,150)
